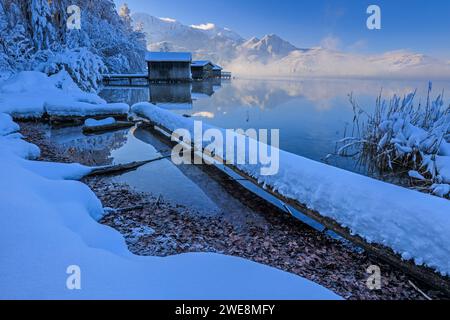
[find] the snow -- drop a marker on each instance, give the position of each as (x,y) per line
(19,147)
(168,56)
(441,190)
(103,122)
(170,35)
(140,232)
(416,175)
(7,125)
(35,38)
(200,63)
(11,141)
(75,108)
(32,94)
(443,167)
(48,223)
(57,171)
(175,106)
(420,135)
(413,224)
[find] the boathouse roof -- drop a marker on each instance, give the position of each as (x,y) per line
(201,63)
(168,56)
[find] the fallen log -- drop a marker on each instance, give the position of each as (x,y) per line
(121,168)
(108,127)
(383,253)
(63,121)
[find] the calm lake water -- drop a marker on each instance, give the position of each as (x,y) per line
(311,114)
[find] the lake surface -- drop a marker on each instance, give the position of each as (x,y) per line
(311,114)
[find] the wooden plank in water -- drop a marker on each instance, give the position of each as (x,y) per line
(121,168)
(125,76)
(108,78)
(108,127)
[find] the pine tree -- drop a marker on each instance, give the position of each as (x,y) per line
(42,27)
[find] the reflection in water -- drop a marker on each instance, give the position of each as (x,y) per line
(205,88)
(186,185)
(177,96)
(312,114)
(130,95)
(88,149)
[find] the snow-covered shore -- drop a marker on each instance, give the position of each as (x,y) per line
(413,224)
(49,223)
(33,94)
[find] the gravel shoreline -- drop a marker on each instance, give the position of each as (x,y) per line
(153,226)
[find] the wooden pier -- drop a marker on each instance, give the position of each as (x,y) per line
(142,79)
(110,79)
(225,75)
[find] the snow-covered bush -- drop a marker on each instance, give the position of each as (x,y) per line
(401,135)
(82,65)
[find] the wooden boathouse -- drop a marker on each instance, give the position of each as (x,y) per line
(202,69)
(217,71)
(169,66)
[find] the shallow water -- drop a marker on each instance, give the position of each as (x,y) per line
(185,185)
(311,114)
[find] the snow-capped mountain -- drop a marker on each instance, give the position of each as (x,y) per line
(214,31)
(328,63)
(274,56)
(268,48)
(204,40)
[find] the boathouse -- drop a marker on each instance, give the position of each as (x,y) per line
(169,66)
(217,71)
(202,69)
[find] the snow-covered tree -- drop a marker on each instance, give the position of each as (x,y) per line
(42,27)
(34,35)
(15,44)
(125,14)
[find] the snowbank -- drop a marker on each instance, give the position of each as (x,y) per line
(48,224)
(7,125)
(11,141)
(82,109)
(31,94)
(414,224)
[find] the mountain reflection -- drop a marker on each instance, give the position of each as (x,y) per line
(311,114)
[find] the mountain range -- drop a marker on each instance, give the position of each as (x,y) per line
(273,56)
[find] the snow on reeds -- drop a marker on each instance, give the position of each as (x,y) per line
(400,136)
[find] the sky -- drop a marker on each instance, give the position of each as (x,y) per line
(415,25)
